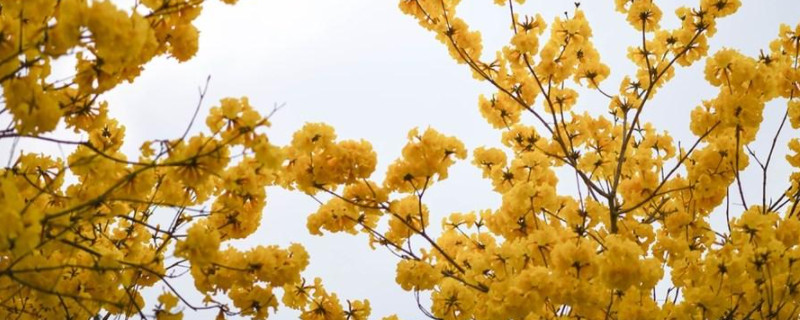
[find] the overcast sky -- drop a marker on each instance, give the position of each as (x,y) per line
(372,72)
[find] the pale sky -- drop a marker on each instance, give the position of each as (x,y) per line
(373,73)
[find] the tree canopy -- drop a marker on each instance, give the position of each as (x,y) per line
(84,235)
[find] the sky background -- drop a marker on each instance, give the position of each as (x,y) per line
(373,73)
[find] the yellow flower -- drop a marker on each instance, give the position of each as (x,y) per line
(168,300)
(620,264)
(255,301)
(35,110)
(578,260)
(793,110)
(201,246)
(794,160)
(426,157)
(644,14)
(500,110)
(417,275)
(409,216)
(335,216)
(183,41)
(358,310)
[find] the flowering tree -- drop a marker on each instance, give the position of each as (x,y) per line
(81,237)
(84,236)
(642,204)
